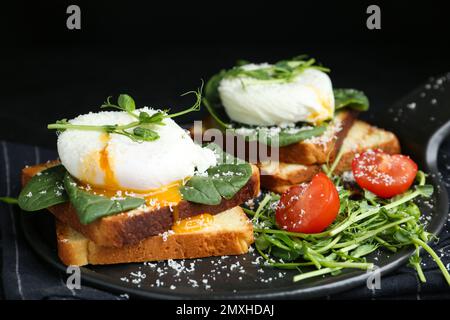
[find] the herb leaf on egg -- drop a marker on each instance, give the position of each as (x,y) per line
(139,130)
(126,102)
(282,71)
(221,181)
(91,207)
(44,190)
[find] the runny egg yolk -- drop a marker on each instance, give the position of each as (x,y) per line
(164,196)
(110,179)
(193,224)
(167,195)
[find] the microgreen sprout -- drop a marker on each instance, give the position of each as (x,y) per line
(9,200)
(364,224)
(142,129)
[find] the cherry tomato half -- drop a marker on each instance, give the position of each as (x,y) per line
(308,208)
(383,174)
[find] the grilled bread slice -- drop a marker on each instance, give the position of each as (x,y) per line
(278,177)
(130,227)
(318,150)
(307,152)
(230,233)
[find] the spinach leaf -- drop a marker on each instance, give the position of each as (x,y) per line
(44,190)
(228,179)
(221,181)
(284,136)
(201,190)
(350,98)
(287,136)
(91,207)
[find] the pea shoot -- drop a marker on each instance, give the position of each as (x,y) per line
(365,223)
(143,126)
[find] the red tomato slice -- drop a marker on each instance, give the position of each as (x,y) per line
(383,174)
(308,208)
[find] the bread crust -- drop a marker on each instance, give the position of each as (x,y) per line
(275,179)
(74,249)
(361,137)
(131,227)
(307,153)
(303,152)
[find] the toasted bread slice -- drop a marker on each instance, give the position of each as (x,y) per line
(307,152)
(130,227)
(319,149)
(230,233)
(274,174)
(278,177)
(362,136)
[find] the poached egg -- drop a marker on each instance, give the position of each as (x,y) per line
(307,98)
(113,164)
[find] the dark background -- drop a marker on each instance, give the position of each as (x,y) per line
(157,51)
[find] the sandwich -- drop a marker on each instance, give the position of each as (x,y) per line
(130,185)
(292,116)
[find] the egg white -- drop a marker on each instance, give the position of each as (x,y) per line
(307,98)
(140,166)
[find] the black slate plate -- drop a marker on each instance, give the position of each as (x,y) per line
(421,121)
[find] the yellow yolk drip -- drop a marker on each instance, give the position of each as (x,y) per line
(110,179)
(325,102)
(168,195)
(193,224)
(164,196)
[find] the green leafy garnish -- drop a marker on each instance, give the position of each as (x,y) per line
(91,207)
(142,129)
(44,190)
(350,98)
(9,200)
(282,71)
(363,225)
(279,136)
(126,102)
(268,135)
(221,181)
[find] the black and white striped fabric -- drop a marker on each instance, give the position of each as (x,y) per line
(25,276)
